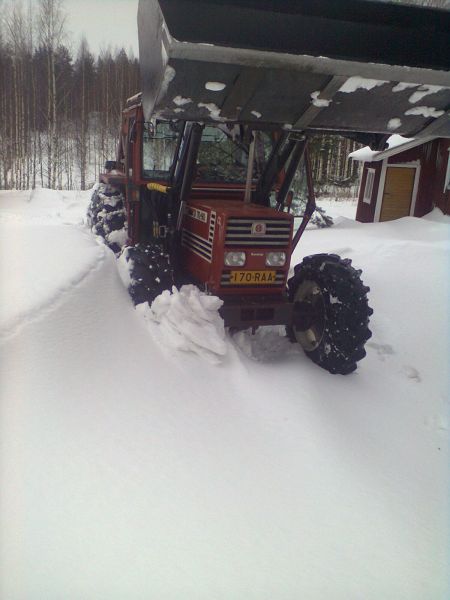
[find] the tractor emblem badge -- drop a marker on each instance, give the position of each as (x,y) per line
(258,228)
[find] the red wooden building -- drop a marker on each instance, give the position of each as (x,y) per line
(411,177)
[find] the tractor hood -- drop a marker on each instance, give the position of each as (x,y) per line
(347,65)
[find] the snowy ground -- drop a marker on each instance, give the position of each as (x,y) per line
(130,470)
(338,207)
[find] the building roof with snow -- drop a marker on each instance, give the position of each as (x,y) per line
(395,144)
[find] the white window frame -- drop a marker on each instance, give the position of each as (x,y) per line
(368,188)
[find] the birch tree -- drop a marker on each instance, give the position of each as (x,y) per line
(50,23)
(84,79)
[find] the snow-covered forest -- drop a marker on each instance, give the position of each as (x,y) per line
(59,106)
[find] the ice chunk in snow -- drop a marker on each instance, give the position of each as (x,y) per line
(212,108)
(118,237)
(402,86)
(360,83)
(425,111)
(188,320)
(394,123)
(423,91)
(319,102)
(215,86)
(180,101)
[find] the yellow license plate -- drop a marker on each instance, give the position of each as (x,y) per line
(252,277)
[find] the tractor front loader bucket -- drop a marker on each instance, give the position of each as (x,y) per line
(351,66)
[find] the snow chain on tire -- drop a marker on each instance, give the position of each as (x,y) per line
(107,217)
(150,271)
(331,312)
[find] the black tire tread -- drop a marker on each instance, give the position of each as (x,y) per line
(106,213)
(346,327)
(150,271)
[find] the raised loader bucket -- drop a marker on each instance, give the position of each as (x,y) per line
(340,65)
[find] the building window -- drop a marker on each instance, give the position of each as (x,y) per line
(447,175)
(370,178)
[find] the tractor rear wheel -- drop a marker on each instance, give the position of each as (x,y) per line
(149,269)
(331,312)
(107,217)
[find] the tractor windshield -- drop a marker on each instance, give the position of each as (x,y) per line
(223,154)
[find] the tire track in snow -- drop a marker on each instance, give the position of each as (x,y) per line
(41,310)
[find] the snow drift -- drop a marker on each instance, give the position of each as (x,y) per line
(133,470)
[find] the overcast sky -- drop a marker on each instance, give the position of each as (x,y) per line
(103,22)
(113,22)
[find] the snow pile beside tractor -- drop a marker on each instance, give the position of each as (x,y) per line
(187,320)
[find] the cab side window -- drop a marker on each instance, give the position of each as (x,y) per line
(159,146)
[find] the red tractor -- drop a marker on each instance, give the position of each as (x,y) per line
(200,189)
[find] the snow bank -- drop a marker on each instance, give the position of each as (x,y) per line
(43,256)
(44,206)
(438,216)
(187,320)
(30,286)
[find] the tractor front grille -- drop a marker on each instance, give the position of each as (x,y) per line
(244,232)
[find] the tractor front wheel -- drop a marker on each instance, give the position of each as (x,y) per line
(331,312)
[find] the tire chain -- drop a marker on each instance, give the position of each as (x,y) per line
(346,321)
(105,216)
(150,271)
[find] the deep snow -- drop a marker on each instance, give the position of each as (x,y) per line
(133,470)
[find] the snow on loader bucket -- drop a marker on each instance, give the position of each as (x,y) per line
(363,66)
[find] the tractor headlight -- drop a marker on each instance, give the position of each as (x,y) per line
(235,259)
(275,259)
